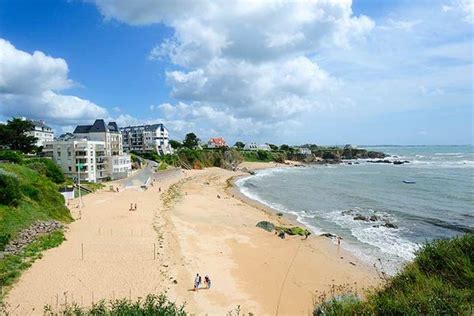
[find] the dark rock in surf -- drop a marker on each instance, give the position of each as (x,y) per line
(390,225)
(360,217)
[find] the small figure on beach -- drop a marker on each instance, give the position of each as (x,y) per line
(197,282)
(118,190)
(131,207)
(218,196)
(135,207)
(207,281)
(159,189)
(338,242)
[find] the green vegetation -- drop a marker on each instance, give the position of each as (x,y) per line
(263,155)
(239,145)
(11,156)
(438,282)
(191,141)
(151,305)
(162,166)
(26,196)
(294,230)
(48,168)
(13,135)
(11,266)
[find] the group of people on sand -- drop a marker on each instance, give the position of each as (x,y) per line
(133,208)
(198,280)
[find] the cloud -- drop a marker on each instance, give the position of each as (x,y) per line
(30,86)
(245,64)
(250,67)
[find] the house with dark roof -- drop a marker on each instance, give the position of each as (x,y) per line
(99,131)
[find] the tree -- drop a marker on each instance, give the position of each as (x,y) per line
(273,147)
(239,145)
(175,144)
(13,135)
(285,147)
(191,141)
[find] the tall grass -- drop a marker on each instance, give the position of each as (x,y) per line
(152,305)
(440,281)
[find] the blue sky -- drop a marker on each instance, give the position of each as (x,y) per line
(367,72)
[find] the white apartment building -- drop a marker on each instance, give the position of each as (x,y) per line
(42,132)
(90,155)
(98,147)
(146,138)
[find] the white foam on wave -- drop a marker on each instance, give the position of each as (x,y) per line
(448,154)
(387,240)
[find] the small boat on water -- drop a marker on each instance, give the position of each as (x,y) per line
(409,181)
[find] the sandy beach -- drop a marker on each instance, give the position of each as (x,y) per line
(196,224)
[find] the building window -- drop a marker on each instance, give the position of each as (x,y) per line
(69,168)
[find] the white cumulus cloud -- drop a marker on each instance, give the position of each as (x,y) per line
(30,85)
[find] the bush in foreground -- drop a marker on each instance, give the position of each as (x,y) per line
(151,305)
(438,282)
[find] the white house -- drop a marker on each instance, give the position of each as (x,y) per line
(304,151)
(42,132)
(90,155)
(254,146)
(146,138)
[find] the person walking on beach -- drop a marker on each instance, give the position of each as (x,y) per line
(197,282)
(131,207)
(135,207)
(207,281)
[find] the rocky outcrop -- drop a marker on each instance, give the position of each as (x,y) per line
(30,234)
(269,227)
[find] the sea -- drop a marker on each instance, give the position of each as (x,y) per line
(438,201)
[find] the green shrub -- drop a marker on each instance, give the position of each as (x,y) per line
(48,168)
(11,156)
(151,305)
(4,239)
(438,282)
(9,193)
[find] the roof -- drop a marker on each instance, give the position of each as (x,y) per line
(39,124)
(151,127)
(217,140)
(98,127)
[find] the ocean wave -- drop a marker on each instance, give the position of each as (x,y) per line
(373,233)
(448,154)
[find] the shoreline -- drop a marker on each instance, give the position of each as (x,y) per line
(287,219)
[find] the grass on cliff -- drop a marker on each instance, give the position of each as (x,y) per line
(26,196)
(11,266)
(438,282)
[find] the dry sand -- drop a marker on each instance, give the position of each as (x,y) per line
(193,231)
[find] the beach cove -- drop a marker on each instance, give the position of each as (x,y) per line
(196,224)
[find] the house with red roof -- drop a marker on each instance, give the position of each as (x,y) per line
(216,142)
